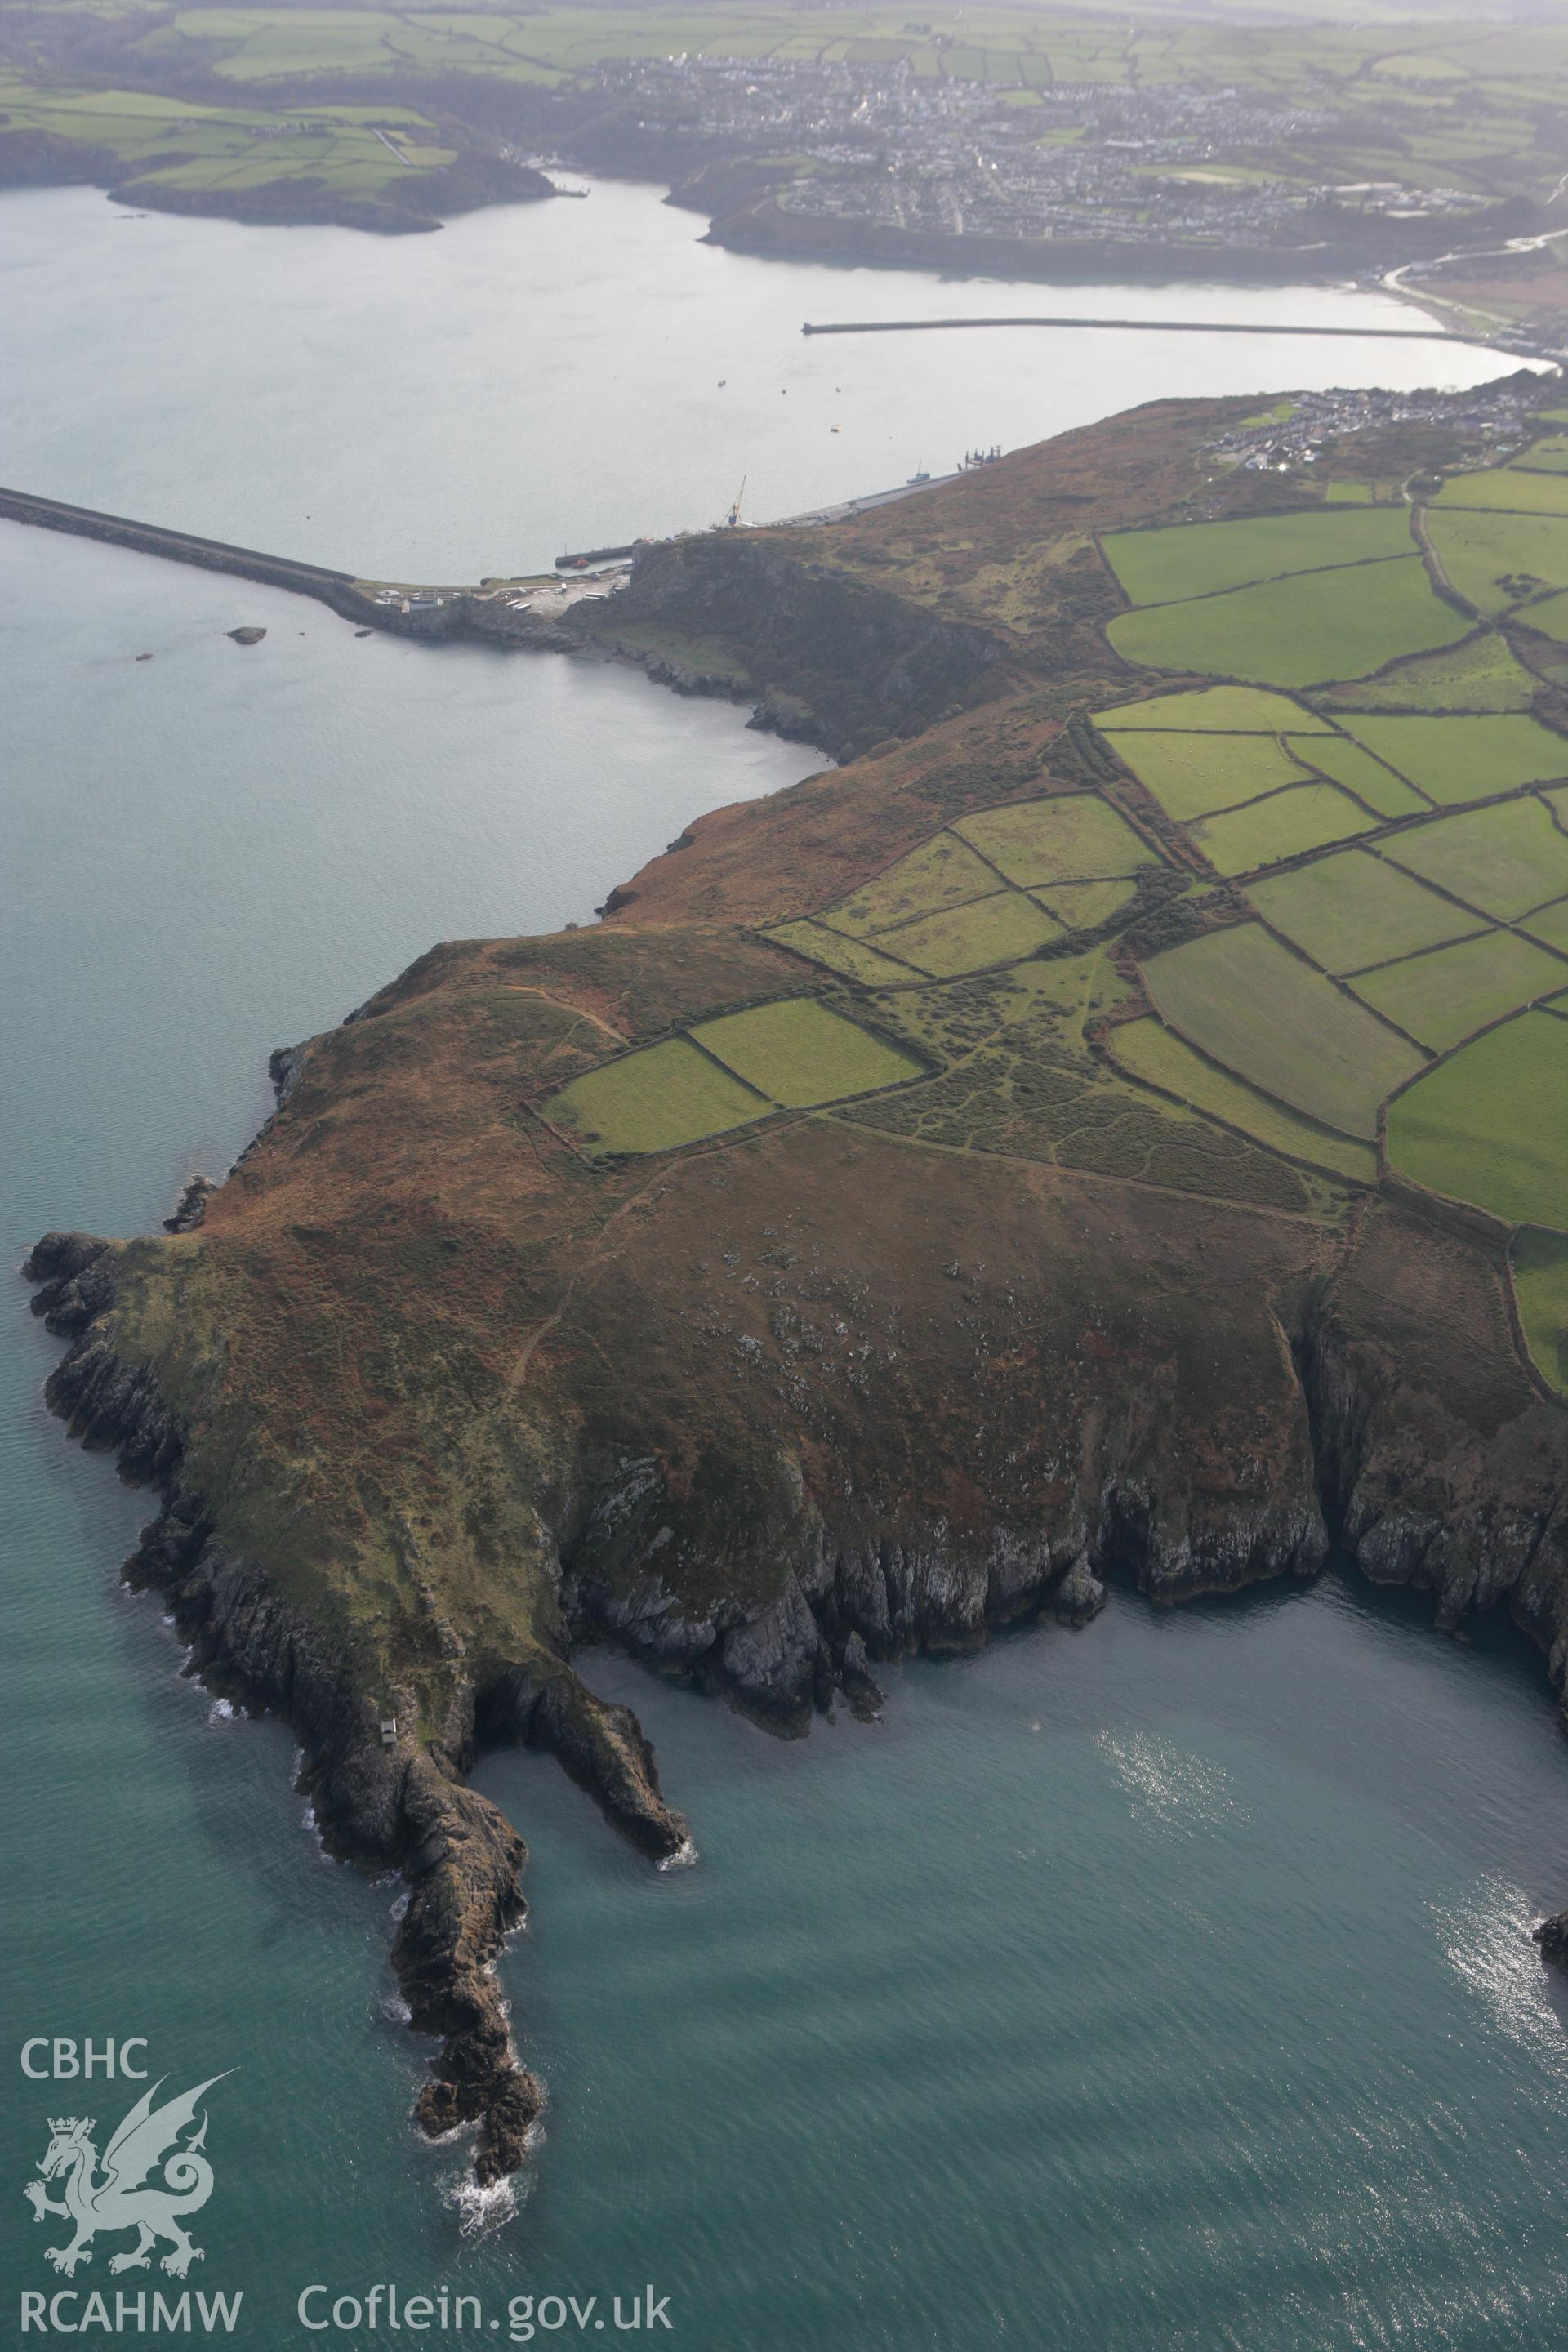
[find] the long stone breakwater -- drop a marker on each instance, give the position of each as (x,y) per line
(1143,326)
(406,612)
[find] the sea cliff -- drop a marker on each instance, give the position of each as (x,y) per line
(476,1359)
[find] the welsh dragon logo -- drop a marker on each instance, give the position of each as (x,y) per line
(123,2197)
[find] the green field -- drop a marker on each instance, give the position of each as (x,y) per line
(1146,1049)
(1199,559)
(1374,786)
(1547,456)
(1084,905)
(175,143)
(851,957)
(1539,1267)
(1351,909)
(799,1052)
(1551,924)
(1550,616)
(1505,860)
(1191,775)
(1478,675)
(1298,631)
(941,872)
(1497,559)
(1463,758)
(1258,1010)
(990,931)
(654,1100)
(1486,1126)
(1288,824)
(1444,994)
(1506,486)
(1073,837)
(1227,709)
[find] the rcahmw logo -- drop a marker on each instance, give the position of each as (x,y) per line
(154,2174)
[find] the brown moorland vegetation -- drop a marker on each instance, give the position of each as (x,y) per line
(448,1381)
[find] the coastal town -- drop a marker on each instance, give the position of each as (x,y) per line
(882,145)
(890,146)
(1303,430)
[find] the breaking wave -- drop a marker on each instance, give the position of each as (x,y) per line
(482,2211)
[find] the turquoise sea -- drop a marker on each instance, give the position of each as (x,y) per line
(1166,1985)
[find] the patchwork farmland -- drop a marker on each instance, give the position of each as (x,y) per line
(1297,923)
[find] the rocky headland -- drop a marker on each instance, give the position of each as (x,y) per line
(436,1390)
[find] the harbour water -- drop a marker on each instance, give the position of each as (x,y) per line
(555,376)
(1163,1986)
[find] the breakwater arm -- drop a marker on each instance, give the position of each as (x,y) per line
(1143,326)
(180,546)
(420,611)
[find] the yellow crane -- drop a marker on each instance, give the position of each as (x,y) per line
(731,521)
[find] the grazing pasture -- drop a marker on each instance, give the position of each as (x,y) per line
(1448,992)
(654,1100)
(1084,905)
(1146,1049)
(1353,909)
(1375,786)
(1247,1002)
(1228,709)
(1461,757)
(1073,837)
(1486,1125)
(1549,923)
(1550,616)
(851,957)
(1506,486)
(799,1052)
(173,143)
(1285,825)
(1539,1267)
(969,938)
(1299,631)
(1199,559)
(1191,775)
(1499,560)
(941,872)
(1505,860)
(1481,673)
(1547,456)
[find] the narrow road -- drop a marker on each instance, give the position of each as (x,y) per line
(1394,279)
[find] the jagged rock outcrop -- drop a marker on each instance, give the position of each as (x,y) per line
(463,1860)
(1552,1937)
(399,1802)
(866,664)
(601,1744)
